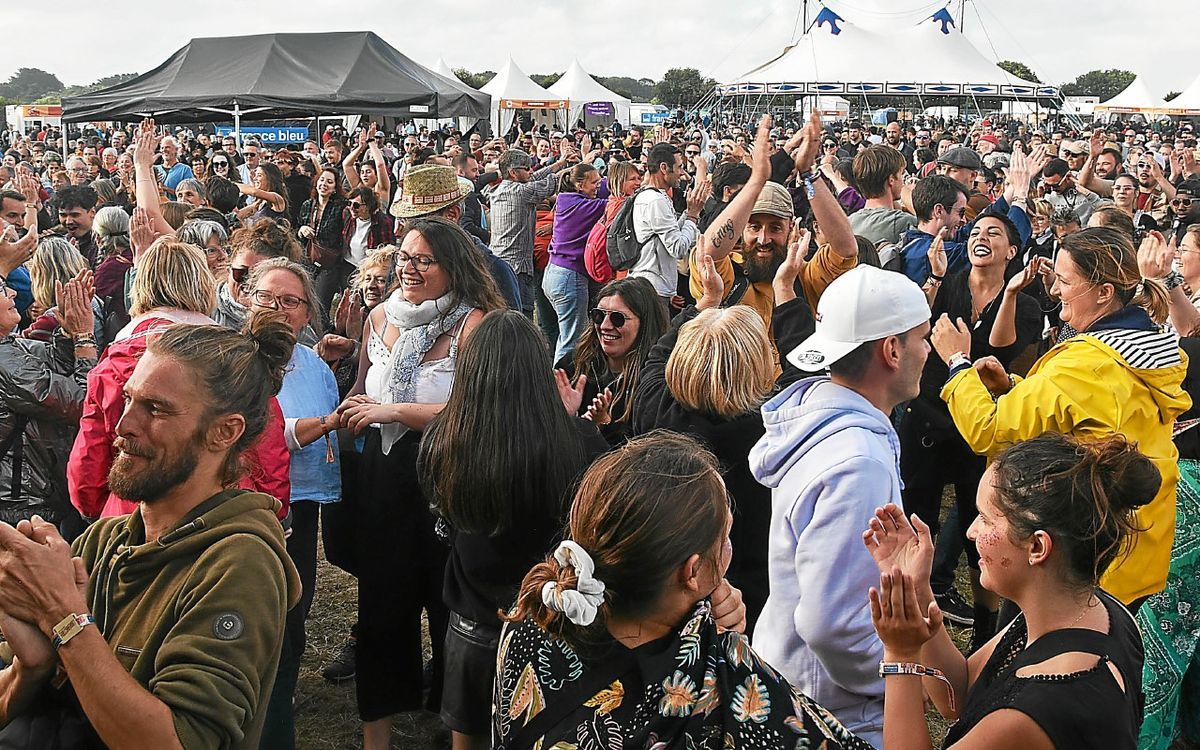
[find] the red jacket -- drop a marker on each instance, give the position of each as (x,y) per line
(268,462)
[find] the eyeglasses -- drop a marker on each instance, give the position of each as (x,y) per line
(281,301)
(616,318)
(419,262)
(1182,202)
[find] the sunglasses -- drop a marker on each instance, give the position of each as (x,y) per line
(617,319)
(1182,202)
(239,274)
(693,153)
(218,164)
(356,204)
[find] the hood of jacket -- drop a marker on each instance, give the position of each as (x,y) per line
(806,414)
(221,516)
(1150,355)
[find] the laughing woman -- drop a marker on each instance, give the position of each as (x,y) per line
(406,367)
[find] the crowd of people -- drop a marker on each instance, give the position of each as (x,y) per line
(652,430)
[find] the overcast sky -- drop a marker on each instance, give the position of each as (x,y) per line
(637,38)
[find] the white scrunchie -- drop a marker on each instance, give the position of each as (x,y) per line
(580,603)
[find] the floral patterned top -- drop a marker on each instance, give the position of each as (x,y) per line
(697,688)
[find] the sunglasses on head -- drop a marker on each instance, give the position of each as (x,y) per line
(616,318)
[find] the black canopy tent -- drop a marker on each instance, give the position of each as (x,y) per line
(280,76)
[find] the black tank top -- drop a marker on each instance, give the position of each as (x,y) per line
(1086,710)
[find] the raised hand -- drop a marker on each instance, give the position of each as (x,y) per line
(784,283)
(710,280)
(898,617)
(1026,277)
(1096,143)
(894,542)
(145,143)
(1155,256)
(950,338)
(75,304)
(571,395)
(697,196)
(806,154)
(760,159)
(600,411)
(938,263)
(334,348)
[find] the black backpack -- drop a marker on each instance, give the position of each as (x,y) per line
(620,241)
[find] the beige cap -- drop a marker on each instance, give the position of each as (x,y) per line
(774,199)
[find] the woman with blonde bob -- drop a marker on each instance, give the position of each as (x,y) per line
(173,285)
(54,263)
(707,377)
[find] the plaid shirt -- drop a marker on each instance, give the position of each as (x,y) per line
(382,231)
(514,216)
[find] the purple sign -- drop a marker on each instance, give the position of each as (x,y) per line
(598,109)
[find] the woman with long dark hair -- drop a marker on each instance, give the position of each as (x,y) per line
(406,367)
(322,219)
(601,378)
(504,500)
(270,194)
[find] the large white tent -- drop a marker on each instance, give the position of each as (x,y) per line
(1189,98)
(929,59)
(441,68)
(511,90)
(581,90)
(1134,98)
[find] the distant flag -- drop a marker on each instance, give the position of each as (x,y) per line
(833,19)
(943,16)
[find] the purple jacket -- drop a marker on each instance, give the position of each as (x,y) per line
(574,216)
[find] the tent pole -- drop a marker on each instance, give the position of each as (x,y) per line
(237,125)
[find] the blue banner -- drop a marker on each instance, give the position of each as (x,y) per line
(272,136)
(651,118)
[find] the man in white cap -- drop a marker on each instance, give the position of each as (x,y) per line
(831,456)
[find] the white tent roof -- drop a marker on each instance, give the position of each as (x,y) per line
(1190,98)
(511,89)
(1134,98)
(578,87)
(837,57)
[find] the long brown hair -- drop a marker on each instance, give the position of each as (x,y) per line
(503,451)
(455,251)
(641,511)
(639,296)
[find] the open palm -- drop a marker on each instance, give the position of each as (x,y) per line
(896,543)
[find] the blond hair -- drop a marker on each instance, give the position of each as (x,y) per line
(722,363)
(54,260)
(173,274)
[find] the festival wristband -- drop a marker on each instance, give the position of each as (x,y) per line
(889,668)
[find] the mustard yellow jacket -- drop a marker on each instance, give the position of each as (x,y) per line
(1093,386)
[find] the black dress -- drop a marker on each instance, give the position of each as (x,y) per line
(1083,711)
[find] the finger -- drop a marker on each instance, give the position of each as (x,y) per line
(922,530)
(876,605)
(80,570)
(896,593)
(934,616)
(962,327)
(869,539)
(912,609)
(580,382)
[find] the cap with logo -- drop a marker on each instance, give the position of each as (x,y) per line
(863,304)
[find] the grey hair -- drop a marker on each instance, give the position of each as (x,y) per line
(110,220)
(74,159)
(195,185)
(169,138)
(262,268)
(110,151)
(513,158)
(199,232)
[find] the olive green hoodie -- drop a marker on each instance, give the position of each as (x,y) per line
(197,616)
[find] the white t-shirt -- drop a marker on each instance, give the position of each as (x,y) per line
(358,242)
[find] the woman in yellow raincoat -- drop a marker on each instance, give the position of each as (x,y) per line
(1120,375)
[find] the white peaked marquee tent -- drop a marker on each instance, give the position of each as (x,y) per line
(1190,98)
(584,92)
(441,68)
(1135,97)
(929,59)
(511,90)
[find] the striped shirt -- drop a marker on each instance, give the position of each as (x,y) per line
(514,216)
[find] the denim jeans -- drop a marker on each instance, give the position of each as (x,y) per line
(568,292)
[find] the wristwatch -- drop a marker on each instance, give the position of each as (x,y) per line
(69,627)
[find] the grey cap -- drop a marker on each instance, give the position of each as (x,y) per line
(961,157)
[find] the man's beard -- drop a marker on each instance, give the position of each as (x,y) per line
(160,475)
(761,269)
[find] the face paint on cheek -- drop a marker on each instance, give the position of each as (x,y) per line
(1005,562)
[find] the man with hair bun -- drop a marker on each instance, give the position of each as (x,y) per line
(166,623)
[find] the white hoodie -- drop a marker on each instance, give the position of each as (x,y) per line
(830,458)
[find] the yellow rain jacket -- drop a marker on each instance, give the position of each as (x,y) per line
(1118,380)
